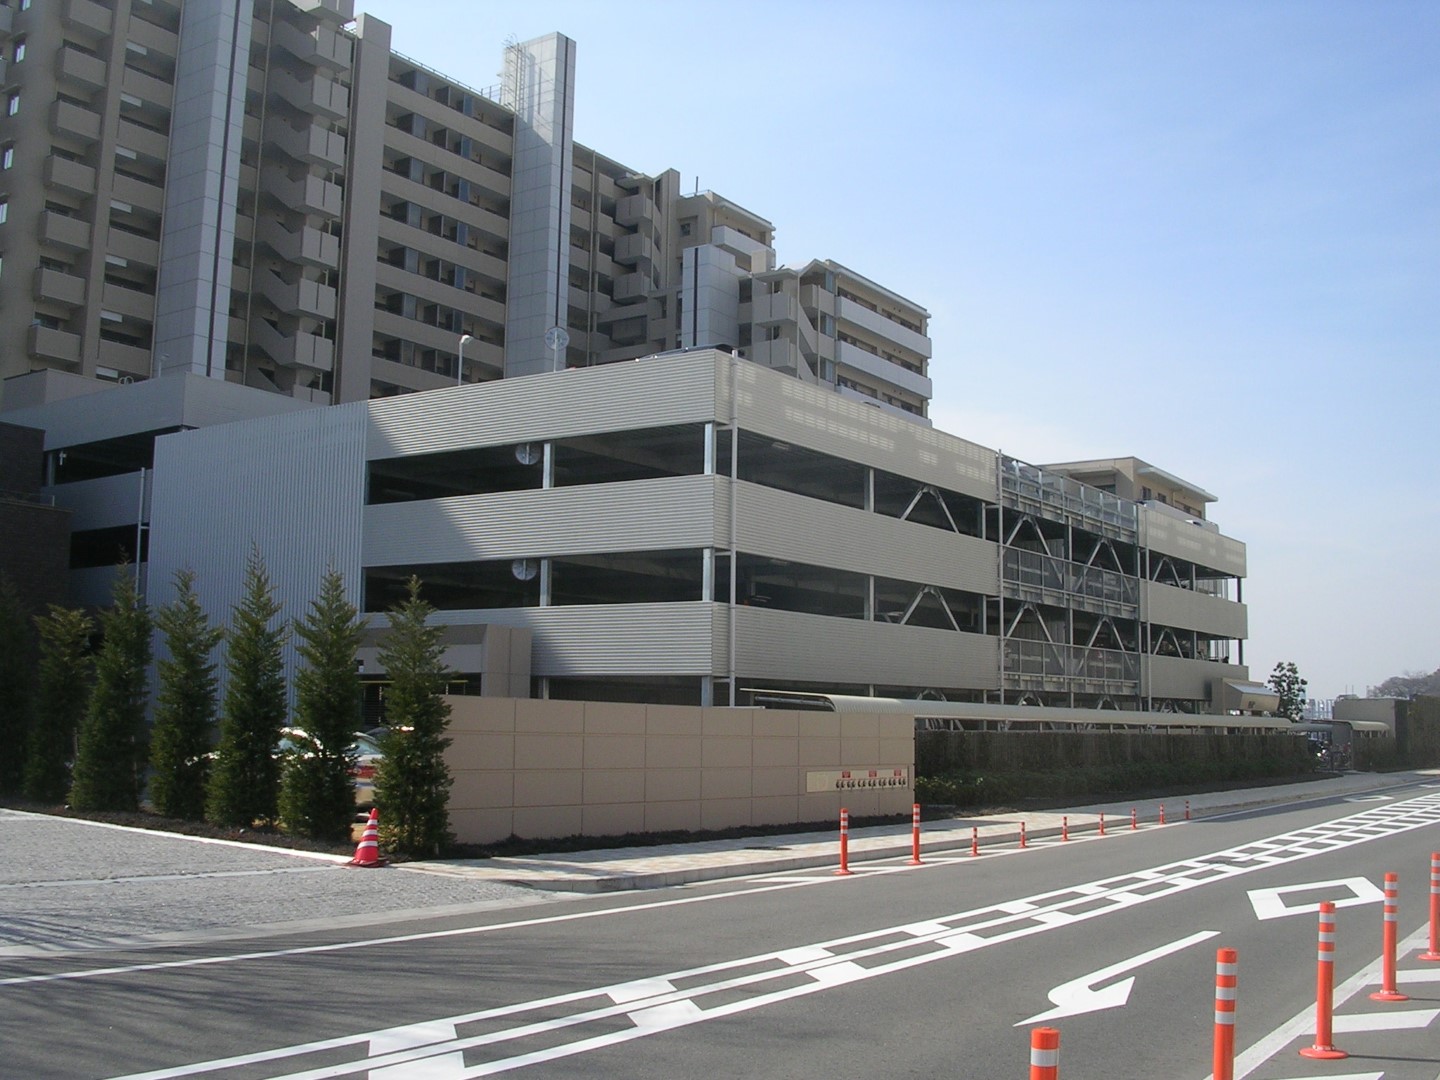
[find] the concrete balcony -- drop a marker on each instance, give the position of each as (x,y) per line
(633,209)
(74,121)
(65,232)
(44,343)
(631,287)
(633,248)
(311,194)
(308,246)
(146,143)
(139,194)
(881,327)
(58,287)
(154,93)
(127,359)
(323,47)
(310,144)
(334,11)
(87,19)
(65,175)
(298,350)
(315,94)
(770,308)
(303,297)
(79,69)
(7,21)
(136,250)
(132,303)
(877,367)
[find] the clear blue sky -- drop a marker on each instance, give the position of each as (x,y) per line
(1206,234)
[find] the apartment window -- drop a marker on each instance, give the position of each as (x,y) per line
(19,49)
(7,156)
(685,228)
(4,210)
(24,5)
(827,325)
(12,103)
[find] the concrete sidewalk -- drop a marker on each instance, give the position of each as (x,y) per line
(677,864)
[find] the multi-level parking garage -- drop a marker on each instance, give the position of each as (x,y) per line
(670,529)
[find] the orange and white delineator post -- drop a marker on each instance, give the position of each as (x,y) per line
(1102,822)
(915,834)
(1324,1048)
(1433,953)
(844,844)
(1187,809)
(1226,971)
(1045,1054)
(1388,990)
(1022,834)
(1065,827)
(1162,813)
(1134,822)
(974,841)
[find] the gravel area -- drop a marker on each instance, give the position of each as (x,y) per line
(69,885)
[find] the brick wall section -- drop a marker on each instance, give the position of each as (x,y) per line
(547,769)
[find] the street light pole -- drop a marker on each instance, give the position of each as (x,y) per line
(465,339)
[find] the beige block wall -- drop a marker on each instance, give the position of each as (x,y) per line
(547,769)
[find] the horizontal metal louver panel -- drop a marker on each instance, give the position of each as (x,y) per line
(102,503)
(609,639)
(1191,610)
(1182,540)
(788,409)
(1173,677)
(812,648)
(615,397)
(782,525)
(637,515)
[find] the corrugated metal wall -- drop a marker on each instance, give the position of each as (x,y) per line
(1190,610)
(785,526)
(293,487)
(638,515)
(788,409)
(1172,536)
(616,397)
(789,645)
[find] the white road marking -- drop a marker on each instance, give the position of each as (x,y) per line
(145,879)
(322,856)
(1270,903)
(403,1038)
(860,956)
(1423,975)
(1081,996)
(1367,798)
(1399,1020)
(1346,1076)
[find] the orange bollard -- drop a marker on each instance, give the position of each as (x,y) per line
(1187,809)
(1133,822)
(974,842)
(844,844)
(1065,827)
(1045,1054)
(1162,813)
(1433,953)
(915,835)
(1323,1047)
(1102,822)
(1226,971)
(1022,834)
(1388,990)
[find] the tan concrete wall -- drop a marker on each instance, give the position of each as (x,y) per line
(546,769)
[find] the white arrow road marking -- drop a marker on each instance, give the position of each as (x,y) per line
(1270,903)
(1402,1020)
(1079,996)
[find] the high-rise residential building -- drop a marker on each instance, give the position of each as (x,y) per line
(264,192)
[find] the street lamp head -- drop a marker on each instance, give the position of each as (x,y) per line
(465,339)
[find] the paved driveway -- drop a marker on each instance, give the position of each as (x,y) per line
(69,885)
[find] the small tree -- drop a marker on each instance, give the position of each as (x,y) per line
(317,791)
(412,781)
(245,776)
(185,705)
(17,660)
(61,692)
(1285,680)
(110,759)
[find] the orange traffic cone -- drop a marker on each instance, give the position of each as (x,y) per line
(368,853)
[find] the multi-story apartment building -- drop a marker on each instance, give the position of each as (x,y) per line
(262,191)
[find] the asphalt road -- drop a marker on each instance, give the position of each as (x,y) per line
(931,971)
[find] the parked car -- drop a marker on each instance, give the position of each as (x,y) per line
(364,747)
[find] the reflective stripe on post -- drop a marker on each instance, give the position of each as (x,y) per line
(1433,953)
(1065,827)
(974,842)
(1226,971)
(844,844)
(1162,813)
(1323,1047)
(1102,822)
(1045,1054)
(1134,822)
(1388,990)
(915,834)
